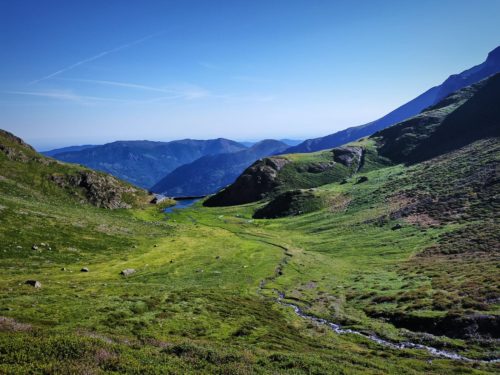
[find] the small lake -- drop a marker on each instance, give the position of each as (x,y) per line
(184,203)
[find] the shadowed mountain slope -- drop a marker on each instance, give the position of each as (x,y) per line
(413,107)
(143,163)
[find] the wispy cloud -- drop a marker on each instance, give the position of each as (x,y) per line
(119,84)
(95,57)
(186,90)
(66,95)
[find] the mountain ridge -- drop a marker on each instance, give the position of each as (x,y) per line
(143,163)
(433,95)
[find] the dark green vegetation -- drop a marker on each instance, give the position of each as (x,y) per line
(465,116)
(431,97)
(293,202)
(144,163)
(409,253)
(210,173)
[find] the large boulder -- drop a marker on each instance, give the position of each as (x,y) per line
(34,283)
(127,272)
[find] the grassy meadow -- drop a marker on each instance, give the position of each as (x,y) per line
(203,295)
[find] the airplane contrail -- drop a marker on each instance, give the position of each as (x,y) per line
(98,56)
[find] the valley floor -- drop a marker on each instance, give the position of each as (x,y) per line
(204,297)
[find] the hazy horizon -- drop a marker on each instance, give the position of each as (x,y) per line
(92,73)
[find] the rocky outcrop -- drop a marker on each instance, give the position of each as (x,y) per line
(254,184)
(99,189)
(348,155)
(16,140)
(290,203)
(15,148)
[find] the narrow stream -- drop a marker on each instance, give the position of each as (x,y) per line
(402,345)
(181,204)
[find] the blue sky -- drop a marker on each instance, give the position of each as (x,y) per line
(75,72)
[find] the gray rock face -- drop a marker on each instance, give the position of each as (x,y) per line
(347,155)
(100,190)
(127,272)
(34,283)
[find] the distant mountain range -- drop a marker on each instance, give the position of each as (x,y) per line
(210,173)
(62,150)
(143,163)
(288,142)
(413,107)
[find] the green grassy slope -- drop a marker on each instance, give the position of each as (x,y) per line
(25,173)
(271,176)
(203,299)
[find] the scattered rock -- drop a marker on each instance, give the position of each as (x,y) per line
(84,269)
(127,272)
(34,247)
(34,283)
